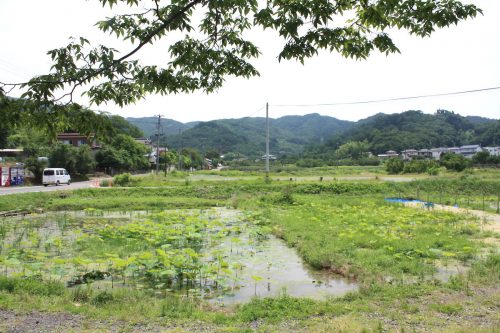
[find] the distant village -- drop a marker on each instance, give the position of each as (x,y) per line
(435,153)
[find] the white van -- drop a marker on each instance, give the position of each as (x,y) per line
(55,176)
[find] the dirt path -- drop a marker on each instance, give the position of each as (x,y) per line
(45,322)
(492,220)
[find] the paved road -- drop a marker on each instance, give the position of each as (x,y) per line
(29,189)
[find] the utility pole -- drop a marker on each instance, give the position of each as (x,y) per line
(158,145)
(180,150)
(267,141)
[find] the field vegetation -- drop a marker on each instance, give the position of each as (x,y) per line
(149,253)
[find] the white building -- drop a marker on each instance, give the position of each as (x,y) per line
(437,152)
(388,154)
(494,151)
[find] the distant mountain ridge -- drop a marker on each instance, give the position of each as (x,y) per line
(289,134)
(168,126)
(317,134)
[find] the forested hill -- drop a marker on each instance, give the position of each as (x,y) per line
(414,129)
(168,126)
(314,134)
(289,134)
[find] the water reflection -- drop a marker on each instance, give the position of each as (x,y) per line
(275,268)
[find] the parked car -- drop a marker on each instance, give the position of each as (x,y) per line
(55,176)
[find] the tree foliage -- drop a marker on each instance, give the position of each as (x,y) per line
(454,162)
(353,149)
(123,153)
(215,43)
(414,130)
(394,165)
(77,160)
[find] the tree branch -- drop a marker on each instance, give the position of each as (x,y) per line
(99,71)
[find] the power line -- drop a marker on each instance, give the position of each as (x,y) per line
(389,99)
(262,108)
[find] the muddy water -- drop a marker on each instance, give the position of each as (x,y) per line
(275,269)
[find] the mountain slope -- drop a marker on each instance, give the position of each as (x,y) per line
(288,135)
(317,135)
(414,129)
(168,126)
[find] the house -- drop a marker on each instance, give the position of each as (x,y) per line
(408,154)
(494,151)
(144,141)
(11,152)
(271,157)
(77,139)
(454,150)
(152,154)
(470,150)
(437,152)
(207,164)
(388,154)
(425,153)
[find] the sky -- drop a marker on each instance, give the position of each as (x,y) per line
(458,58)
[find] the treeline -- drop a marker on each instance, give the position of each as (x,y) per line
(38,139)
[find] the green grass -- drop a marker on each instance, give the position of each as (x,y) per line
(366,238)
(343,226)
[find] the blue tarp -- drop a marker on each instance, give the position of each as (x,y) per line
(403,200)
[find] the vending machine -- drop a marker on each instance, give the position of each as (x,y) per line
(4,176)
(17,175)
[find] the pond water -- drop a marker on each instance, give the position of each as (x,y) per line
(238,259)
(275,268)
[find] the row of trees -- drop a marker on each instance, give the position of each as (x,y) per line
(450,161)
(122,154)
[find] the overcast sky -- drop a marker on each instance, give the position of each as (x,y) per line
(459,58)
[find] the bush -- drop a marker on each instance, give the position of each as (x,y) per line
(421,166)
(102,297)
(454,162)
(433,171)
(309,163)
(122,180)
(394,165)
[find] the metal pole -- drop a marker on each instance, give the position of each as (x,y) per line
(267,141)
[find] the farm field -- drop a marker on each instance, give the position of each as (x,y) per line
(187,254)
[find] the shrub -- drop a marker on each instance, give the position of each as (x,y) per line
(454,162)
(394,165)
(102,297)
(122,180)
(433,171)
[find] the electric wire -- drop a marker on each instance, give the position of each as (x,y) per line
(388,99)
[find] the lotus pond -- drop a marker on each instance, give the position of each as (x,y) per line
(220,254)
